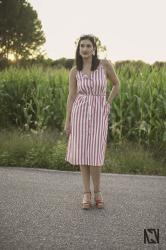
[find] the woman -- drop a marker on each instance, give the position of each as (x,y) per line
(87,115)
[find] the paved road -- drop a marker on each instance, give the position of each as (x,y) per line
(40,209)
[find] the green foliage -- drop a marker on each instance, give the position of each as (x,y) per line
(139,112)
(34,99)
(20,29)
(29,149)
(131,158)
(48,149)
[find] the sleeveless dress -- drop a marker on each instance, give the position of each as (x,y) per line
(89,120)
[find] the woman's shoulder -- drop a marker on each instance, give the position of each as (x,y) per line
(73,70)
(104,62)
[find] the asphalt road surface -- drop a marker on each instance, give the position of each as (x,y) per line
(41,209)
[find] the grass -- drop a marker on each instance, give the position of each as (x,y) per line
(131,158)
(47,149)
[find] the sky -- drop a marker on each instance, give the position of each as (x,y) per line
(130,29)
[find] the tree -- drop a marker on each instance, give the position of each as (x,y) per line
(21,32)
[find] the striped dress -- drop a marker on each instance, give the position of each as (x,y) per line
(89,120)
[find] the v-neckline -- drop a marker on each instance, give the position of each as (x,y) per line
(91,72)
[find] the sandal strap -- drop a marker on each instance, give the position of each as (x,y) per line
(96,193)
(99,201)
(85,201)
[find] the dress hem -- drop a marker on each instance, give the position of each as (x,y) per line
(87,164)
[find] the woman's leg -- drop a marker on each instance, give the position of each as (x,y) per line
(95,173)
(85,171)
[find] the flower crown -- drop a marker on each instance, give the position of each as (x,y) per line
(90,35)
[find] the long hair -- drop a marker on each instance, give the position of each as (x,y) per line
(78,57)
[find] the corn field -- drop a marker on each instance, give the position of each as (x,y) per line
(35,98)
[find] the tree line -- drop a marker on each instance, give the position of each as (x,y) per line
(22,38)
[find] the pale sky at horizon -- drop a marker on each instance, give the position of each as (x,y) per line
(130,29)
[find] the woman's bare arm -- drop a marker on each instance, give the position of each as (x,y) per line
(111,74)
(72,93)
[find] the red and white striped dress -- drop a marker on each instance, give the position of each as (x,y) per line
(89,120)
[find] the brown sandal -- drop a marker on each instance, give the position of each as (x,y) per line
(99,202)
(86,203)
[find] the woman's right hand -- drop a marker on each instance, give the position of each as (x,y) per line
(67,129)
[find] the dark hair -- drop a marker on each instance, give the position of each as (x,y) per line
(78,57)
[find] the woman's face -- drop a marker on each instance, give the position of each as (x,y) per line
(86,48)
